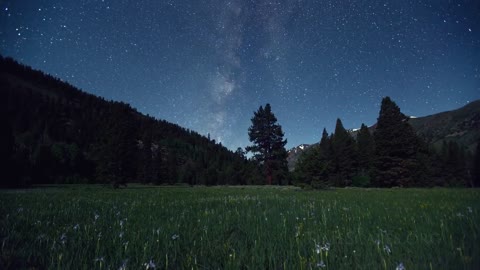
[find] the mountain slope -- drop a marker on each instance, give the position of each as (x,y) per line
(461,126)
(64,135)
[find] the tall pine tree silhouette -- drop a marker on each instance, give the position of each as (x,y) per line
(476,166)
(268,145)
(397,148)
(344,156)
(366,150)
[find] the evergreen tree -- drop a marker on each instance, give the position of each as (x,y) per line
(323,157)
(145,167)
(397,149)
(268,145)
(344,165)
(366,151)
(7,142)
(476,166)
(117,148)
(454,164)
(314,165)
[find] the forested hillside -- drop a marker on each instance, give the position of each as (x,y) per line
(54,133)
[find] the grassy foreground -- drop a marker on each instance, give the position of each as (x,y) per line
(239,228)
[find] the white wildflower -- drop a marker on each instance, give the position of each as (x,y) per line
(175,237)
(63,238)
(387,249)
(321,264)
(150,265)
(123,266)
(76,227)
(400,267)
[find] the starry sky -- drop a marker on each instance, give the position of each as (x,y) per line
(207,65)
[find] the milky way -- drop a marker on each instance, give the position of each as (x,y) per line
(208,64)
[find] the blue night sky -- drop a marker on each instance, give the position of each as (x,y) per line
(207,65)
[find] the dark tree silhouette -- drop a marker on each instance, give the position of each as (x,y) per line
(344,151)
(268,145)
(397,148)
(476,166)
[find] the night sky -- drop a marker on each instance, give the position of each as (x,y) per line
(208,65)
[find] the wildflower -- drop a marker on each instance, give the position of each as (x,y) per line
(120,235)
(469,209)
(459,215)
(387,249)
(99,259)
(123,266)
(377,242)
(317,248)
(150,265)
(63,238)
(76,227)
(400,267)
(321,264)
(175,237)
(326,247)
(96,217)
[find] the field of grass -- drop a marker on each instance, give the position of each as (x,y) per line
(86,227)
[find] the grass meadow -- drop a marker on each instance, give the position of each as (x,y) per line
(92,227)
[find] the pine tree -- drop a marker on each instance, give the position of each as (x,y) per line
(366,151)
(344,165)
(145,167)
(454,164)
(314,165)
(7,142)
(476,166)
(268,145)
(397,149)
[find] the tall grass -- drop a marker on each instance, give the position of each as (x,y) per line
(239,228)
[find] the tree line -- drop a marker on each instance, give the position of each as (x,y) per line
(54,133)
(393,156)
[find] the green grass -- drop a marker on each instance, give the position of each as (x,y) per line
(82,227)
